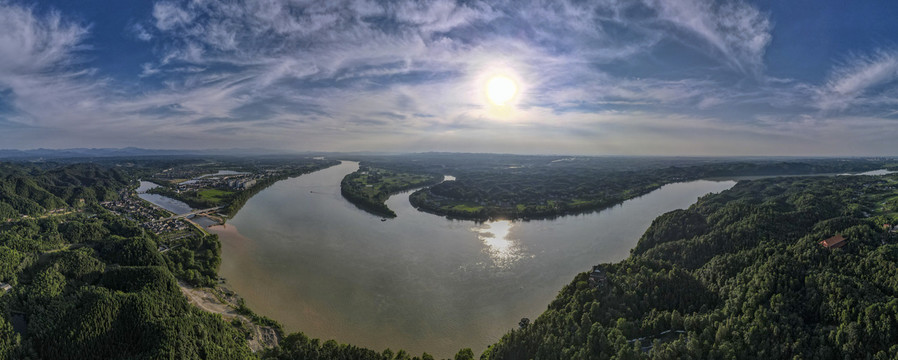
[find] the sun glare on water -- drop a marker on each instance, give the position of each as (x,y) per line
(500,90)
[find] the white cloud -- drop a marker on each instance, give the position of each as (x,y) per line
(148,69)
(328,75)
(736,30)
(33,44)
(856,80)
(709,102)
(141,33)
(169,15)
(39,55)
(440,15)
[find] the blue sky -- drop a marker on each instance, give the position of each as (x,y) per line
(648,77)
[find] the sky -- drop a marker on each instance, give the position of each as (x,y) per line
(605,77)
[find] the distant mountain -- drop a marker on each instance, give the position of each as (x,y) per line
(36,154)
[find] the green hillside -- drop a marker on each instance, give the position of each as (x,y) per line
(739,275)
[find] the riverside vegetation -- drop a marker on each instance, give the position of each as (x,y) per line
(91,285)
(264,172)
(711,281)
(740,275)
(368,188)
(87,284)
(490,186)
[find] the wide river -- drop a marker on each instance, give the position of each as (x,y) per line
(302,255)
(166,203)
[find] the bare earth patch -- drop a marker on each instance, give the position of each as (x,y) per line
(217,302)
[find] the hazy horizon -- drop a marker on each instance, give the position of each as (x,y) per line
(641,78)
(264,152)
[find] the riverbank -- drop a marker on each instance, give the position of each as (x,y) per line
(426,201)
(316,263)
(240,198)
(222,301)
(229,192)
(368,188)
(319,265)
(260,332)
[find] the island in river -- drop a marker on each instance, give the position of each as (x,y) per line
(496,187)
(342,253)
(368,188)
(419,282)
(712,280)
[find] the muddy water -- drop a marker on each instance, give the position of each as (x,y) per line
(314,262)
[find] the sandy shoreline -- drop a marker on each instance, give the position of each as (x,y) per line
(224,301)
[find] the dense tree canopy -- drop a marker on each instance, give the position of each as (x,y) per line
(87,284)
(107,295)
(33,192)
(740,274)
(490,186)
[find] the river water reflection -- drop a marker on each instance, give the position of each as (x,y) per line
(314,262)
(167,203)
(503,248)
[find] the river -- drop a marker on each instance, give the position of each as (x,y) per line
(167,203)
(302,255)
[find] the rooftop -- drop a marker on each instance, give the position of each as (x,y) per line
(833,242)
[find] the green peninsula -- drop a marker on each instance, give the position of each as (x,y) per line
(369,187)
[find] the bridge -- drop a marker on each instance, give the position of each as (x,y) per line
(195,212)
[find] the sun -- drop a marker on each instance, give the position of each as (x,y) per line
(500,90)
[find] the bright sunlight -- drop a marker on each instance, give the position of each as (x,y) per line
(500,90)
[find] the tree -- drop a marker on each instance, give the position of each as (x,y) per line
(465,354)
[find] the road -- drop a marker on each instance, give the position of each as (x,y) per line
(195,212)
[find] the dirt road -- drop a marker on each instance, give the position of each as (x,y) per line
(261,337)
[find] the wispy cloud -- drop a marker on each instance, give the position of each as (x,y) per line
(31,44)
(737,31)
(40,61)
(593,75)
(859,81)
(169,15)
(141,32)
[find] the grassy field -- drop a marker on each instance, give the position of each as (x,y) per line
(577,202)
(887,202)
(378,184)
(889,207)
(215,195)
(467,208)
(369,188)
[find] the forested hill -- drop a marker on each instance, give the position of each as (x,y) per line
(31,192)
(740,275)
(97,288)
(89,284)
(534,187)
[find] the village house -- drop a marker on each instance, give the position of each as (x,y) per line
(833,242)
(597,276)
(5,286)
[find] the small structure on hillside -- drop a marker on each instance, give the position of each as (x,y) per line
(597,276)
(5,287)
(834,242)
